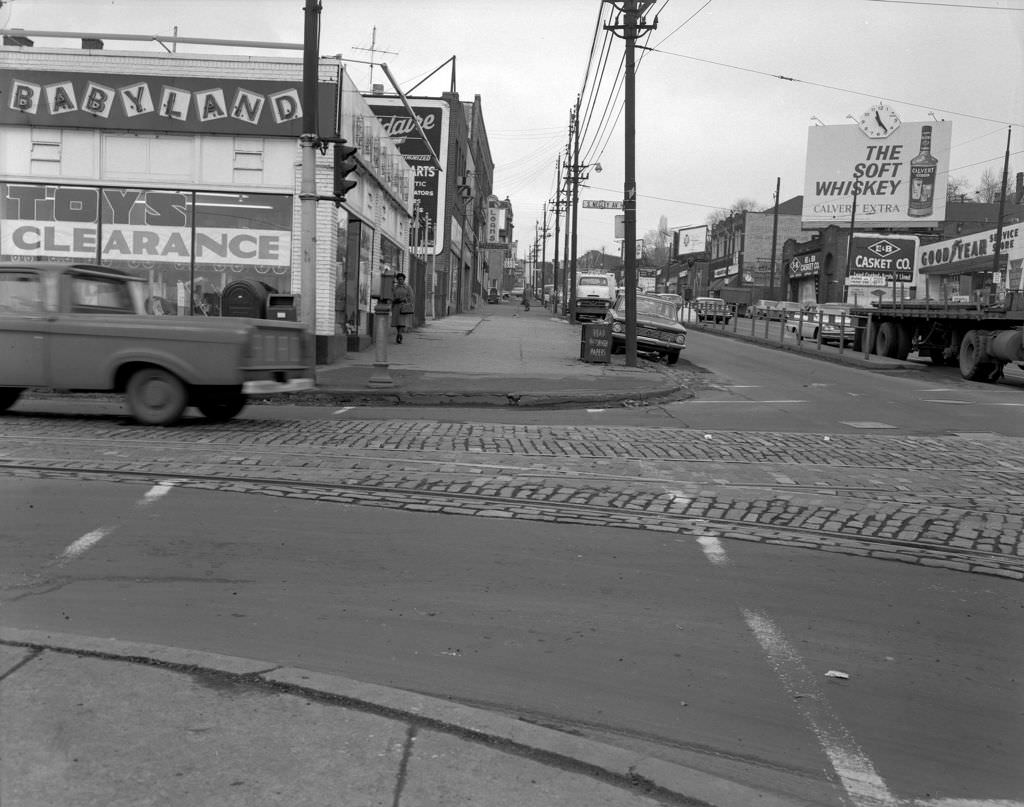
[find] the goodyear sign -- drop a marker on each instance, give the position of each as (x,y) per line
(892,257)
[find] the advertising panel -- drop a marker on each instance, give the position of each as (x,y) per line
(897,173)
(972,253)
(179,104)
(690,240)
(398,124)
(889,257)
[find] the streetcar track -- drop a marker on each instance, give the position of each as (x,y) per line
(968,504)
(370,495)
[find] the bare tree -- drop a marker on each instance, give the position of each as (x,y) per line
(740,205)
(989,186)
(957,188)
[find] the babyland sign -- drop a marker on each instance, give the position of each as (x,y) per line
(889,257)
(898,180)
(157,103)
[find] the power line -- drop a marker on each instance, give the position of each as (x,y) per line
(945,5)
(838,89)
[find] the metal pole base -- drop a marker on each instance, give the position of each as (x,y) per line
(381,377)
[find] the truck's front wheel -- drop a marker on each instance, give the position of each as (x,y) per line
(155,396)
(973,355)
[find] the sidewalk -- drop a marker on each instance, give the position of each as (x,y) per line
(489,359)
(103,723)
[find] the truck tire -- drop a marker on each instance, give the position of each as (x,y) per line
(220,404)
(155,396)
(886,341)
(973,355)
(8,396)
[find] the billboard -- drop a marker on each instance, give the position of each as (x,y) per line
(690,240)
(433,115)
(897,174)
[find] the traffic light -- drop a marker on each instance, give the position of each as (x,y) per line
(344,164)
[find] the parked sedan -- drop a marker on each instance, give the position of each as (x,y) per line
(657,328)
(832,322)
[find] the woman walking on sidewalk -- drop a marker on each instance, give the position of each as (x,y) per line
(401,306)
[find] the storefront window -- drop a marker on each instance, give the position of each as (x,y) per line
(188,245)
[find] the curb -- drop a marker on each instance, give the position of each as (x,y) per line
(523,399)
(621,767)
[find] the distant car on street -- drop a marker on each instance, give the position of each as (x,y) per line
(830,321)
(493,296)
(713,309)
(658,329)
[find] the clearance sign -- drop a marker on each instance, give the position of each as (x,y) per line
(53,222)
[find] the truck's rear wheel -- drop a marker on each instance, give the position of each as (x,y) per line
(904,340)
(155,396)
(221,404)
(887,340)
(8,396)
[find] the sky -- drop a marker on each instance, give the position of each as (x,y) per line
(724,96)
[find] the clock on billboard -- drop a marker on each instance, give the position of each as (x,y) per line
(879,121)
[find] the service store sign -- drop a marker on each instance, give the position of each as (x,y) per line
(843,162)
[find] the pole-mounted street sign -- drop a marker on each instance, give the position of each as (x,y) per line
(602,204)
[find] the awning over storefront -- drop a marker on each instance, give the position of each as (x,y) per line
(717,285)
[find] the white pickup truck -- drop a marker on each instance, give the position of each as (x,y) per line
(84,328)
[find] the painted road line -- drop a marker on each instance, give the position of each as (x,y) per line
(857,774)
(80,545)
(90,539)
(717,403)
(156,492)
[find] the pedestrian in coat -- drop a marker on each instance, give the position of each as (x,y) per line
(402,307)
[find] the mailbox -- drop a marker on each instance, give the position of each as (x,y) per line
(282,307)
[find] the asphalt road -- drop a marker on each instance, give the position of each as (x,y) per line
(678,578)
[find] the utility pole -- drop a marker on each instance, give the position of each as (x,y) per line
(558,200)
(568,224)
(543,249)
(308,141)
(775,238)
(1002,207)
(575,203)
(634,25)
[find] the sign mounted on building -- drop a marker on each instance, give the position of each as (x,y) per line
(433,115)
(690,240)
(805,265)
(177,104)
(971,253)
(602,205)
(898,175)
(892,257)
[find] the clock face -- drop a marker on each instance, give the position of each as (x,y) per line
(879,121)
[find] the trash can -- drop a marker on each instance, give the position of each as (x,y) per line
(282,307)
(596,342)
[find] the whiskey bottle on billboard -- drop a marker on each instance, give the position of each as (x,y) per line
(923,168)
